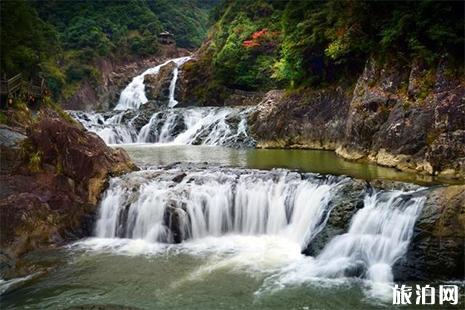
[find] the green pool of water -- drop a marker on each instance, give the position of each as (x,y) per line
(317,161)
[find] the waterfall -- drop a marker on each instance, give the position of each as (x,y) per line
(112,128)
(379,234)
(214,203)
(224,209)
(133,96)
(130,123)
(177,126)
(172,102)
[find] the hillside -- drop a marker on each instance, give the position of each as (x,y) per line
(62,41)
(260,45)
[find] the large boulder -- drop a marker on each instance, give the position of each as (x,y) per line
(52,195)
(157,86)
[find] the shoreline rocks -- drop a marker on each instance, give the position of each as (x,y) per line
(408,118)
(51,196)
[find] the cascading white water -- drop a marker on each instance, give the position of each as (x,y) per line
(172,101)
(134,94)
(115,129)
(179,126)
(214,203)
(208,126)
(378,236)
(258,221)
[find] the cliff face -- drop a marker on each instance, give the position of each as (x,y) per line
(411,118)
(51,193)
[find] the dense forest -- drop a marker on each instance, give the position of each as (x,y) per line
(259,45)
(60,40)
(252,45)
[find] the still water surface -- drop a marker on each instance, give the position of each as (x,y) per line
(316,161)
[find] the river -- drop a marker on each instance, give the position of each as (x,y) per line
(210,222)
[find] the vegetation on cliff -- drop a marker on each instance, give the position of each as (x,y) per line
(61,40)
(257,45)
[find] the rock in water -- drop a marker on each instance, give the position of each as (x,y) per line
(437,248)
(157,86)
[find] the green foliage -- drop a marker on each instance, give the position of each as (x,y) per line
(35,161)
(61,40)
(26,39)
(322,42)
(31,156)
(3,118)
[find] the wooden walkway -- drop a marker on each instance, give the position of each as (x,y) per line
(16,86)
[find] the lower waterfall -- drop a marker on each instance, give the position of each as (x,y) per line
(214,203)
(267,216)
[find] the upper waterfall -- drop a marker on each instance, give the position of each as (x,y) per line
(130,122)
(133,96)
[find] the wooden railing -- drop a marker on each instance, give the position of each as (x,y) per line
(11,86)
(16,85)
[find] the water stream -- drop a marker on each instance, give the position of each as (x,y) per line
(209,236)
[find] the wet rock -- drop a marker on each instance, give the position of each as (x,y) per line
(436,251)
(174,219)
(179,177)
(347,201)
(157,86)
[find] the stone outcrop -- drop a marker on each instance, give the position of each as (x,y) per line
(410,118)
(157,86)
(437,247)
(311,120)
(51,195)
